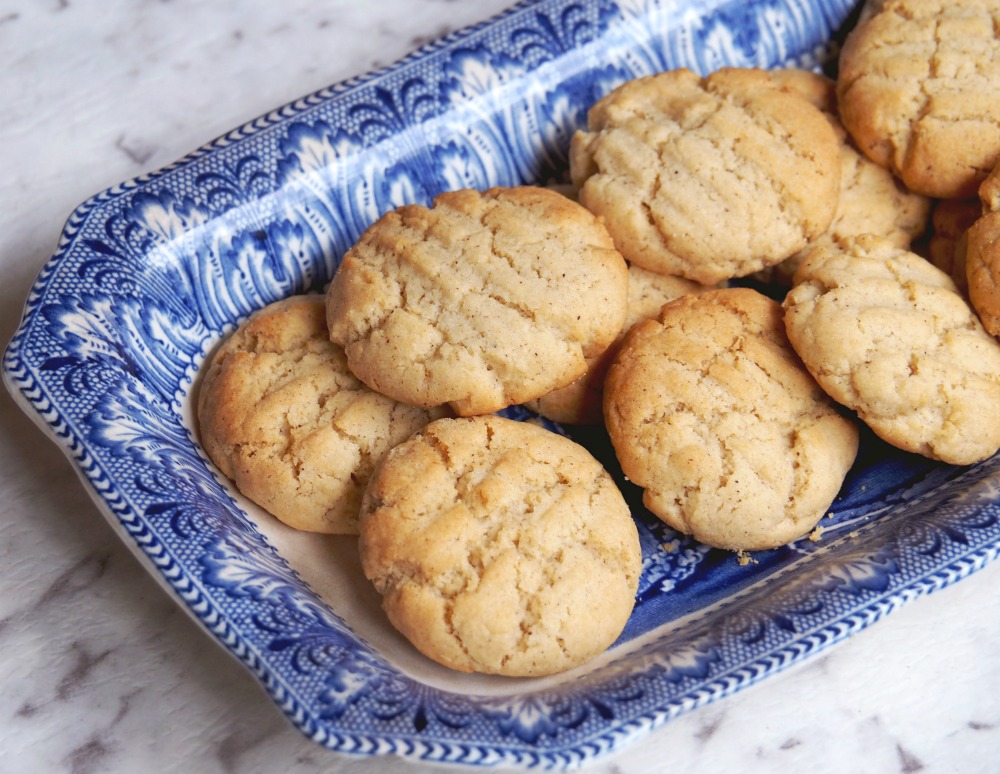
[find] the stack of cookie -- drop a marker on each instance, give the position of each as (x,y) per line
(728,409)
(503,548)
(918,89)
(498,546)
(886,333)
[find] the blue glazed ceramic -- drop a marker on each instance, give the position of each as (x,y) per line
(151,274)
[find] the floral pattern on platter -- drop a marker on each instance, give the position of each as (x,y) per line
(151,274)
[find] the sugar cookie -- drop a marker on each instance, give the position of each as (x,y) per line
(707,178)
(919,91)
(887,334)
(982,255)
(711,413)
(500,547)
(872,200)
(949,239)
(581,403)
(280,414)
(483,301)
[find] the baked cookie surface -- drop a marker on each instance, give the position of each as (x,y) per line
(872,200)
(949,239)
(982,255)
(887,334)
(482,301)
(711,413)
(581,403)
(919,90)
(281,415)
(500,547)
(709,178)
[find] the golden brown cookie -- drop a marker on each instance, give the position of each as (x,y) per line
(581,403)
(707,178)
(887,334)
(711,412)
(982,254)
(483,301)
(919,91)
(500,547)
(950,223)
(280,414)
(872,200)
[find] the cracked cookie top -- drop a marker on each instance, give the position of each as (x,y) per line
(500,547)
(919,91)
(887,334)
(581,403)
(711,413)
(708,178)
(281,415)
(872,200)
(979,261)
(485,300)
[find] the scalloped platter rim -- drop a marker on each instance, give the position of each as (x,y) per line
(151,274)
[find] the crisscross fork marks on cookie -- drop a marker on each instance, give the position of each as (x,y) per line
(515,555)
(714,416)
(470,298)
(669,157)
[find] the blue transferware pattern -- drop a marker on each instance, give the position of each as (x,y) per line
(151,274)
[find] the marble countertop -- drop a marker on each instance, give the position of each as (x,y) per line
(101,671)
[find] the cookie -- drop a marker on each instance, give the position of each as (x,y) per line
(816,88)
(872,200)
(919,91)
(982,255)
(281,415)
(707,178)
(500,547)
(887,334)
(711,412)
(482,301)
(581,403)
(948,243)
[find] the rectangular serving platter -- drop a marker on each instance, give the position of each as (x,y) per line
(151,274)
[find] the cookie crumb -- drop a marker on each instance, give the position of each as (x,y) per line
(816,534)
(744,558)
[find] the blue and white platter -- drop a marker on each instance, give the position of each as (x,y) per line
(151,274)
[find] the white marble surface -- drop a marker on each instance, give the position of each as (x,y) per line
(100,671)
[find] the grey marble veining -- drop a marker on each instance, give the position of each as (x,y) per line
(102,671)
